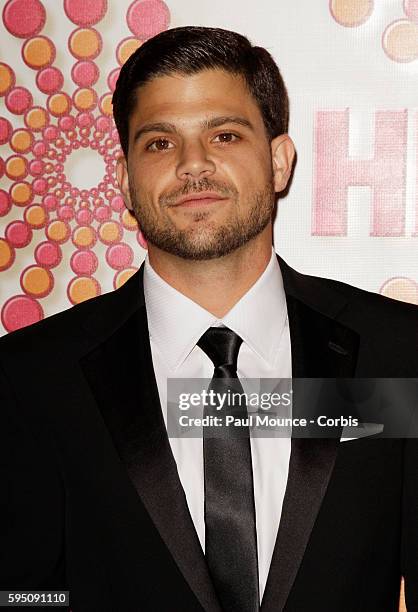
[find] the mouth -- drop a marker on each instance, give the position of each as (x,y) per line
(199,199)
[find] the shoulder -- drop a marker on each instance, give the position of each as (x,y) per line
(360,307)
(387,329)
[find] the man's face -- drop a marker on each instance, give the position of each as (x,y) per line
(200,171)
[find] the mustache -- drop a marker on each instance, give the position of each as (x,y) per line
(191,187)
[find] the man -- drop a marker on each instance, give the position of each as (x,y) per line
(98,499)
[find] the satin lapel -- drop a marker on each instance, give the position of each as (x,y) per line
(120,373)
(321,347)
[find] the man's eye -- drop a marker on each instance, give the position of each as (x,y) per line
(161,144)
(226,137)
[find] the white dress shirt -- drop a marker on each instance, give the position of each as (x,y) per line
(260,318)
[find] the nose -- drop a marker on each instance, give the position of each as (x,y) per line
(194,162)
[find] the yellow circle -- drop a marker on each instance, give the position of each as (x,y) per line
(85,99)
(6,254)
(58,104)
(128,220)
(6,79)
(16,167)
(106,105)
(403,289)
(36,118)
(35,215)
(124,275)
(36,281)
(400,41)
(57,231)
(82,288)
(109,232)
(21,141)
(38,52)
(21,193)
(85,43)
(351,14)
(84,237)
(126,49)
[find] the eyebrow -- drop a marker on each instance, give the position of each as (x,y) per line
(208,124)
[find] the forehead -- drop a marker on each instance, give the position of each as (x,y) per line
(183,98)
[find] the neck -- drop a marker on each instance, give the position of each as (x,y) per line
(216,284)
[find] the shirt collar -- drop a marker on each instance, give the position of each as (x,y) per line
(176,323)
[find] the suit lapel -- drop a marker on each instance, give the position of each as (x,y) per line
(321,347)
(120,373)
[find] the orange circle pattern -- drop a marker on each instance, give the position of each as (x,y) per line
(37,282)
(21,193)
(83,288)
(85,43)
(6,254)
(38,52)
(21,141)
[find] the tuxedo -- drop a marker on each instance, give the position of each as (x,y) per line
(91,498)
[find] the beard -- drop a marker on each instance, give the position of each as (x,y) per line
(205,239)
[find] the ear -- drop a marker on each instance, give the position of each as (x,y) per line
(123,180)
(283,153)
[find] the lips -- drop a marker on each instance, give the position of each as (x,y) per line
(199,199)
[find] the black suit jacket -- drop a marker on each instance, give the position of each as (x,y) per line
(90,496)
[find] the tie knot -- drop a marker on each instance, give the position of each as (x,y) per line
(221,345)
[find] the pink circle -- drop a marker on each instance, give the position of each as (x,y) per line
(2,166)
(119,256)
(85,120)
(84,217)
(84,262)
(411,9)
(117,203)
(39,148)
(84,13)
(49,80)
(5,130)
(40,186)
(36,167)
(146,18)
(85,73)
(18,234)
(65,213)
(13,78)
(20,311)
(50,132)
(50,202)
(24,18)
(66,123)
(103,124)
(102,213)
(112,78)
(5,202)
(19,100)
(48,254)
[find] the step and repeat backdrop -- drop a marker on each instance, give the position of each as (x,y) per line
(351,68)
(351,213)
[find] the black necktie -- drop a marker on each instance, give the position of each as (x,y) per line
(230,528)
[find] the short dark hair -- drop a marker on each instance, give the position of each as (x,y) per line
(191,49)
